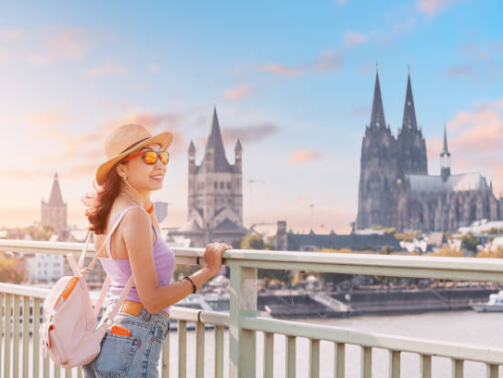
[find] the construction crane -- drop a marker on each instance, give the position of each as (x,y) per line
(251,194)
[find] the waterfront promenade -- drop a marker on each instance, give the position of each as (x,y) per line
(246,330)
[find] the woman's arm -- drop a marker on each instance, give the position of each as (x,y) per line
(137,235)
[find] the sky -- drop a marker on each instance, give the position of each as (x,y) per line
(293,80)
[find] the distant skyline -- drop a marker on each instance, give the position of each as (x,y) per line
(293,81)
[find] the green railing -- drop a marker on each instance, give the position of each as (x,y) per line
(243,322)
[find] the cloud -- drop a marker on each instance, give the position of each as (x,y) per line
(66,43)
(482,66)
(352,39)
(239,93)
(475,137)
(282,70)
(434,7)
(106,69)
(45,119)
(251,133)
(341,2)
(327,61)
(301,156)
(11,35)
(459,71)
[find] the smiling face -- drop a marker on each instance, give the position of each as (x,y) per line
(142,176)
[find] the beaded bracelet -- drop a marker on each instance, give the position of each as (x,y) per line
(194,287)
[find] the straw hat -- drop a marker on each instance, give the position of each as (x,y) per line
(126,139)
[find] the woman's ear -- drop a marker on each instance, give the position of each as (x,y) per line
(121,170)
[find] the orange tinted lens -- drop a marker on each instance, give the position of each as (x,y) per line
(164,157)
(150,157)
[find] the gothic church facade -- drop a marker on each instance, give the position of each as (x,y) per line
(215,201)
(395,189)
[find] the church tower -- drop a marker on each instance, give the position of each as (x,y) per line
(445,160)
(215,201)
(54,212)
(378,169)
(412,157)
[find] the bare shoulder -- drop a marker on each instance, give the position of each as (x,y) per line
(135,217)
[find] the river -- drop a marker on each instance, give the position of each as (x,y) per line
(465,327)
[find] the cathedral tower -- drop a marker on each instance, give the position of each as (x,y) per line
(215,202)
(412,157)
(378,169)
(54,212)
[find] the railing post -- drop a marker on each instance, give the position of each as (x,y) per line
(243,302)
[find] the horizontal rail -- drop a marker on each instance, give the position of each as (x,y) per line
(374,340)
(351,263)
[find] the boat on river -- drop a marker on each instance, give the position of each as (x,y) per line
(494,304)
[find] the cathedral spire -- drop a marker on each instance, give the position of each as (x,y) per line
(446,150)
(377,117)
(55,198)
(215,147)
(445,159)
(409,112)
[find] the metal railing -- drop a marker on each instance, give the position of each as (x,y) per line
(243,322)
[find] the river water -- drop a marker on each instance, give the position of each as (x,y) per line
(466,327)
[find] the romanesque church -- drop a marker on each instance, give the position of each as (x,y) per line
(215,201)
(396,190)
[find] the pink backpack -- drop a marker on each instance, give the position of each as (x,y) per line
(70,332)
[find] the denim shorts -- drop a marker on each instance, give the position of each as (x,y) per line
(131,356)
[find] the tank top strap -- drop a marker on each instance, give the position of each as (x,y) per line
(117,218)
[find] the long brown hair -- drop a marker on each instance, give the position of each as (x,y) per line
(99,201)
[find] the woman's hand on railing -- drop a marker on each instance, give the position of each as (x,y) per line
(213,256)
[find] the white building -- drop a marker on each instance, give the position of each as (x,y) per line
(43,267)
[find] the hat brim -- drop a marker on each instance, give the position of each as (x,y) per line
(163,139)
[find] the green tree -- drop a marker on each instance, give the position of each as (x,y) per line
(471,242)
(256,241)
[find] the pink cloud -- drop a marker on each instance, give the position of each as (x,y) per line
(433,7)
(301,156)
(45,119)
(69,43)
(239,92)
(10,35)
(327,61)
(106,69)
(282,70)
(352,39)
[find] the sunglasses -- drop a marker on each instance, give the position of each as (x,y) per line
(150,157)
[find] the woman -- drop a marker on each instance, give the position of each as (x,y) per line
(135,166)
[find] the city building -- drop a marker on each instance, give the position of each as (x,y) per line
(215,201)
(290,241)
(395,189)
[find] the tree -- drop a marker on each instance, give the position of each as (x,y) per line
(470,242)
(255,241)
(8,271)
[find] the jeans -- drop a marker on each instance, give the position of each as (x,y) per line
(131,356)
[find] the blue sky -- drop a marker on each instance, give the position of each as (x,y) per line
(293,80)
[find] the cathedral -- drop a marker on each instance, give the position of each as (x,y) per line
(395,189)
(215,201)
(54,212)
